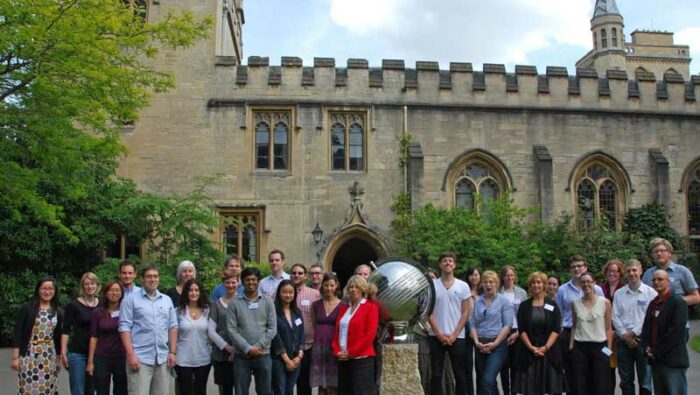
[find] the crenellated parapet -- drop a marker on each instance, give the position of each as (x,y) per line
(460,85)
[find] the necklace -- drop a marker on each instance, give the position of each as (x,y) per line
(195,313)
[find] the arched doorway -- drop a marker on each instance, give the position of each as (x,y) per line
(352,253)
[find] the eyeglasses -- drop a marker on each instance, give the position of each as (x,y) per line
(577,266)
(659,251)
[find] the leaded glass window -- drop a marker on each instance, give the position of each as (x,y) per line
(598,197)
(476,179)
(464,194)
(240,234)
(272,140)
(347,141)
(613,37)
(604,38)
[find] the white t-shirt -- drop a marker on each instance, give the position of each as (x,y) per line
(448,305)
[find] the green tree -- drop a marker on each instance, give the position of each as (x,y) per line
(70,71)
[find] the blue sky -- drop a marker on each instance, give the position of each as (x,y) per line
(538,32)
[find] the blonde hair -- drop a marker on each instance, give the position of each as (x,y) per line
(490,275)
(536,275)
(92,277)
(360,283)
(657,241)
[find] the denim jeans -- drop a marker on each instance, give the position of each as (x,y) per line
(669,381)
(80,382)
(260,367)
(458,356)
(283,381)
(629,360)
(489,365)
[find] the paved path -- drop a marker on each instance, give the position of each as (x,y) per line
(8,378)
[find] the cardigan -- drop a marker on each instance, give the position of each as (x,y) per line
(290,337)
(669,349)
(361,332)
(24,325)
(552,319)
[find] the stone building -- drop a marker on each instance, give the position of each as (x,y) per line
(317,147)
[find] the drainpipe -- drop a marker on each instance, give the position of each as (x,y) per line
(404,153)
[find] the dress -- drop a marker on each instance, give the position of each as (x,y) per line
(37,368)
(539,375)
(324,366)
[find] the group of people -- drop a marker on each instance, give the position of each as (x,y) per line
(297,330)
(555,339)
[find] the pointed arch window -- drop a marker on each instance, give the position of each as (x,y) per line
(599,196)
(693,201)
(240,232)
(604,38)
(348,141)
(272,139)
(477,179)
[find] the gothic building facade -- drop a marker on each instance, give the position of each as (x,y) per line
(310,154)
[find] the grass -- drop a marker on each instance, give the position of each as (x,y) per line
(695,343)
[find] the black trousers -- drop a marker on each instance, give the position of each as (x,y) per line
(108,369)
(566,355)
(303,382)
(356,377)
(591,368)
(458,358)
(193,380)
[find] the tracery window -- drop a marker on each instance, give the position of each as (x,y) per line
(693,199)
(599,196)
(476,179)
(604,38)
(347,141)
(241,233)
(272,139)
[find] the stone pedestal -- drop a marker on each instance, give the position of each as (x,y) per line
(400,370)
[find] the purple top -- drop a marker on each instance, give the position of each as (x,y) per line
(104,328)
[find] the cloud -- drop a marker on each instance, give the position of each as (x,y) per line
(505,31)
(690,36)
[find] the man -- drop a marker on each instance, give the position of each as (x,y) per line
(450,315)
(305,297)
(629,307)
(127,275)
(235,263)
(681,278)
(566,294)
(251,325)
(148,330)
(364,271)
(316,274)
(268,285)
(663,335)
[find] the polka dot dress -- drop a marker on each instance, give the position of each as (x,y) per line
(37,374)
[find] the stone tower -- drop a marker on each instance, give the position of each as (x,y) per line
(608,39)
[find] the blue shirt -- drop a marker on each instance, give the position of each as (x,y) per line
(220,291)
(488,321)
(682,280)
(566,295)
(128,292)
(149,321)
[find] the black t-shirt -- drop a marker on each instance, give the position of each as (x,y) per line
(76,324)
(174,296)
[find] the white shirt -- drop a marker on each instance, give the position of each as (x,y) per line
(345,325)
(448,305)
(629,308)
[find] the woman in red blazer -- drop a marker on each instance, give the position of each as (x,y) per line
(353,343)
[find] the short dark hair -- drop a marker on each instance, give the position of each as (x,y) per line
(316,265)
(298,265)
(447,254)
(275,251)
(126,262)
(145,268)
(250,271)
(577,258)
(234,257)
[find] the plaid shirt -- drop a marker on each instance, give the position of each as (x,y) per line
(306,296)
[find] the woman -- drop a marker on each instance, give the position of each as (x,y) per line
(353,342)
(538,364)
(324,367)
(491,321)
(474,281)
(515,295)
(287,347)
(106,355)
(75,341)
(185,271)
(37,339)
(222,358)
(193,360)
(613,274)
(552,286)
(591,342)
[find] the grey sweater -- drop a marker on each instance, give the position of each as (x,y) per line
(251,323)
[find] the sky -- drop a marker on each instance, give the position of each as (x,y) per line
(524,32)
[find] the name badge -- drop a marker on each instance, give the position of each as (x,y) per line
(253,306)
(297,322)
(641,303)
(548,307)
(656,313)
(306,302)
(115,314)
(607,351)
(54,320)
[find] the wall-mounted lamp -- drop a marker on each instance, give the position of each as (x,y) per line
(317,233)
